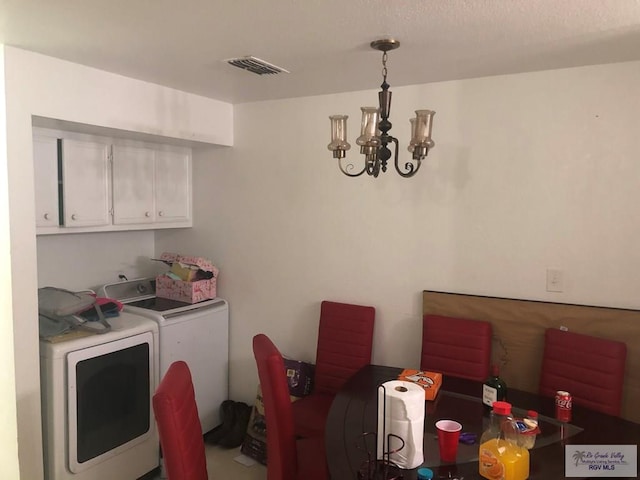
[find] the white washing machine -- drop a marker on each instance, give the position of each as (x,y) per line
(97,415)
(196,333)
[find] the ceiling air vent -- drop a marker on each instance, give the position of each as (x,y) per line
(256,65)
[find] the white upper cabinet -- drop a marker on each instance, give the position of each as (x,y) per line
(173,186)
(151,185)
(133,190)
(45,158)
(85,181)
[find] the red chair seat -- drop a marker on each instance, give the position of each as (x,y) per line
(309,467)
(591,369)
(310,414)
(456,346)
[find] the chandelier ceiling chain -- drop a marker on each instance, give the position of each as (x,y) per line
(374,135)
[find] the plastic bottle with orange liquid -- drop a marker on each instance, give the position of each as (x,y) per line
(500,456)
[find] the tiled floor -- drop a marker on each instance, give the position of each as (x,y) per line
(221,461)
(221,465)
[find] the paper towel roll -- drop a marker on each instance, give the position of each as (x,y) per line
(401,412)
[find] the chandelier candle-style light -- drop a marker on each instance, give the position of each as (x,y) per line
(374,134)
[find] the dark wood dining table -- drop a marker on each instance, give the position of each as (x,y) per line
(352,421)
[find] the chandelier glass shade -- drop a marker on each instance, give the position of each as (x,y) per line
(374,131)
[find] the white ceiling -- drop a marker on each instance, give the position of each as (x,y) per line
(323,43)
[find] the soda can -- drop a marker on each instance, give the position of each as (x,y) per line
(563,406)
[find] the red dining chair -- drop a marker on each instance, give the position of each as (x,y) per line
(288,458)
(176,413)
(590,368)
(456,346)
(345,342)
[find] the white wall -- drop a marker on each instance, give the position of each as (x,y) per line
(51,88)
(529,171)
(90,260)
(9,467)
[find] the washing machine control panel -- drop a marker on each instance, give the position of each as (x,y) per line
(130,290)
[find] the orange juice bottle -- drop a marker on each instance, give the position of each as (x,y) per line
(500,457)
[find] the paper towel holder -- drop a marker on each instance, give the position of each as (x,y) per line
(374,468)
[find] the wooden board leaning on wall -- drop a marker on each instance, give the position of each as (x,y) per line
(518,334)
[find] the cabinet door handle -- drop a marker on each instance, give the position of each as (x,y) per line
(74,217)
(46,216)
(160,213)
(147,214)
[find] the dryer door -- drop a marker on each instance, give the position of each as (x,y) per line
(109,399)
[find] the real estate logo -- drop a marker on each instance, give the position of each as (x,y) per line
(601,461)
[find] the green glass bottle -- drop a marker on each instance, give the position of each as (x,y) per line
(494,388)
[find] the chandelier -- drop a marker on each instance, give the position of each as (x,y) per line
(374,134)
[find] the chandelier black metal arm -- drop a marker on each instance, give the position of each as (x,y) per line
(373,168)
(346,170)
(409,168)
(375,138)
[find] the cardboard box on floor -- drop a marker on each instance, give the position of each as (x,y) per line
(255,441)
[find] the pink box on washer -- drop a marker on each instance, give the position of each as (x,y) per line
(189,292)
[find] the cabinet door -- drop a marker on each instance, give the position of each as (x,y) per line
(85,180)
(173,186)
(45,166)
(133,179)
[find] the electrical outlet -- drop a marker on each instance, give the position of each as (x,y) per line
(555,280)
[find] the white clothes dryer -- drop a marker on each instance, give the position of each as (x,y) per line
(97,414)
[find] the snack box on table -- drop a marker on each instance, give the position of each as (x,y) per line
(430,381)
(187,267)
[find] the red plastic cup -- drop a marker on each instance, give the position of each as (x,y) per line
(448,436)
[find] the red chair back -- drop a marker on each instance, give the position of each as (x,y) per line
(345,342)
(282,458)
(591,369)
(456,347)
(176,414)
